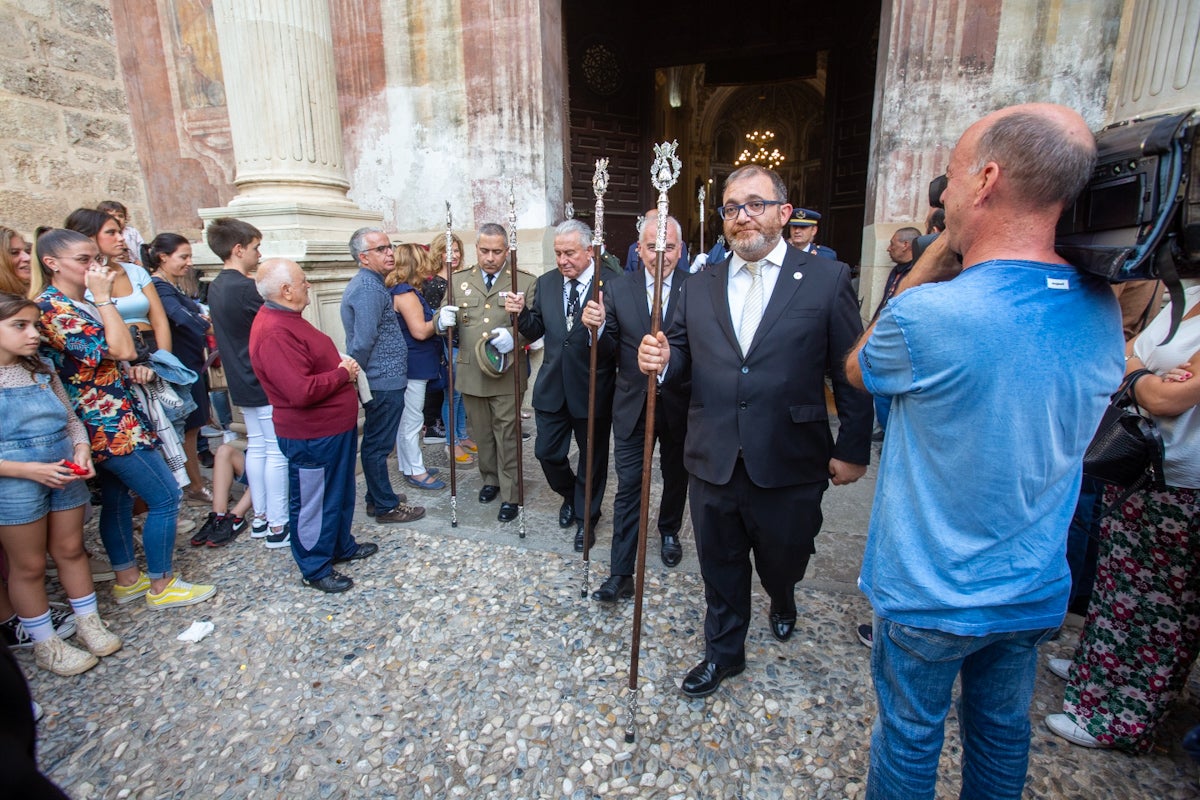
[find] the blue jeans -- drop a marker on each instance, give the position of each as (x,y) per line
(145,473)
(1083,546)
(914,671)
(460,412)
(379,437)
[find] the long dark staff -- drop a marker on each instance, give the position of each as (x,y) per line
(663,174)
(450,432)
(599,186)
(516,365)
(700,198)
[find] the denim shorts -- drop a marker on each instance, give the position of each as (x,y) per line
(23,501)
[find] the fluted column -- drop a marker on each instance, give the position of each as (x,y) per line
(290,174)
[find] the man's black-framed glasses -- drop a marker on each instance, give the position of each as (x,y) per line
(753,208)
(383,248)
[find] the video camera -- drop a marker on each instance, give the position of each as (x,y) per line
(1138,218)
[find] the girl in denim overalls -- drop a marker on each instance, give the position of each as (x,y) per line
(42,499)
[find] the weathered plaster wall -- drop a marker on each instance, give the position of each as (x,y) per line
(65,134)
(946,63)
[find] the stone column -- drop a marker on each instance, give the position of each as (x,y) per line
(281,85)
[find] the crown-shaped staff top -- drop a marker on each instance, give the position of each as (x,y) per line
(512,218)
(700,196)
(599,187)
(663,174)
(449,234)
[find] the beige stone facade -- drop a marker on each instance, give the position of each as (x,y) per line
(66,133)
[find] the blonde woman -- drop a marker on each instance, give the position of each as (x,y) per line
(434,291)
(424,358)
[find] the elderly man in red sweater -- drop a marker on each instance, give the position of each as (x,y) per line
(311,387)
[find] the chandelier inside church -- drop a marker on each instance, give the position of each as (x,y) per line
(758,152)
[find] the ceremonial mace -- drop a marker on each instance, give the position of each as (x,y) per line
(516,365)
(599,186)
(663,174)
(700,197)
(450,369)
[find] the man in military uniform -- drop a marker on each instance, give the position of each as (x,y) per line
(487,394)
(802,229)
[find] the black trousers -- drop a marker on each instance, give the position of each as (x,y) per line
(553,449)
(627,455)
(734,520)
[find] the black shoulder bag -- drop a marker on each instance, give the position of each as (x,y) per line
(1127,450)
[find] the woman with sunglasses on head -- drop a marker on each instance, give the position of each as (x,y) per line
(133,291)
(86,340)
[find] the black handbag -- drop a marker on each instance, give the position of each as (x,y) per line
(1127,450)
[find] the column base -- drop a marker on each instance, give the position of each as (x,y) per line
(303,232)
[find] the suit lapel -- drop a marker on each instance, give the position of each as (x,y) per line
(718,293)
(677,278)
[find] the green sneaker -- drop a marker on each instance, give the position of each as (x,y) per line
(180,593)
(127,594)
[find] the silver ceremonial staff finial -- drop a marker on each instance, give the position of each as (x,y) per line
(512,217)
(700,197)
(569,211)
(665,171)
(599,187)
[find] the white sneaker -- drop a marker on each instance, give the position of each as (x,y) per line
(1065,727)
(209,432)
(259,529)
(60,658)
(96,636)
(1060,667)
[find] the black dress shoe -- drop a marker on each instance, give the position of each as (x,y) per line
(508,512)
(566,514)
(706,676)
(488,493)
(332,583)
(671,551)
(616,587)
(365,550)
(782,619)
(579,538)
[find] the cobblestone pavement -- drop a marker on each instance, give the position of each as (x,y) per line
(465,664)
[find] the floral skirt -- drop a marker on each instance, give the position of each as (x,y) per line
(1143,627)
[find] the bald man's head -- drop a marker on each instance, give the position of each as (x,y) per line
(282,281)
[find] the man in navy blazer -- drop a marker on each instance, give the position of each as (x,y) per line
(622,321)
(757,334)
(560,394)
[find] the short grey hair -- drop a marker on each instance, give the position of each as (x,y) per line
(271,277)
(1046,165)
(358,242)
(652,217)
(905,235)
(577,227)
(491,229)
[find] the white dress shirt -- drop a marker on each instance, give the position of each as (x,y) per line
(740,279)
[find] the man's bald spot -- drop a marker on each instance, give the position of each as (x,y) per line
(274,273)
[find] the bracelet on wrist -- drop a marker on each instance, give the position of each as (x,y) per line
(105,303)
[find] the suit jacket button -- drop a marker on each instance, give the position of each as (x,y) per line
(742,404)
(745,370)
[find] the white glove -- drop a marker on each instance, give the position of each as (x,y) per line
(447,318)
(699,262)
(502,340)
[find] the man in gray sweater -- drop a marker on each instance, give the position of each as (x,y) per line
(374,340)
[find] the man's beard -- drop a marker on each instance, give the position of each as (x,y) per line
(752,244)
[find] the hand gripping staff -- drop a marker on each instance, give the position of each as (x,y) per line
(663,174)
(516,365)
(599,186)
(450,370)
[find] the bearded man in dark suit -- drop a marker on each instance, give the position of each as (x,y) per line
(756,334)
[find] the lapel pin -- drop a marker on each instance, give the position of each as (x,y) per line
(797,275)
(464,285)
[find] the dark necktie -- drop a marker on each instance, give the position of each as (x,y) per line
(488,279)
(572,304)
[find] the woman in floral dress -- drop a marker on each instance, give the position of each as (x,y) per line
(1143,627)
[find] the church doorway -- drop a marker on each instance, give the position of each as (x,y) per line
(792,86)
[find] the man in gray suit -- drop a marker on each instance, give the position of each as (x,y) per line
(756,334)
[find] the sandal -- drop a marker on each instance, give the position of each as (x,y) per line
(201,495)
(430,482)
(462,458)
(471,448)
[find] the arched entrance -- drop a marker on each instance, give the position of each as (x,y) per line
(708,74)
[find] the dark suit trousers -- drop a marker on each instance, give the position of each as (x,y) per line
(627,455)
(553,449)
(734,520)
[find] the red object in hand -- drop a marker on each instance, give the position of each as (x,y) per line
(78,470)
